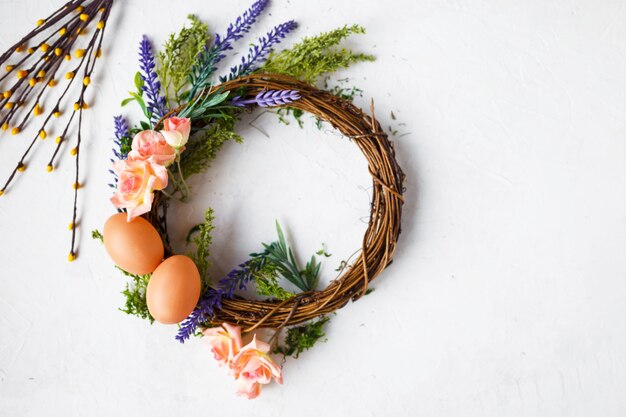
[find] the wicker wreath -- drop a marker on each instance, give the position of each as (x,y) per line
(380,239)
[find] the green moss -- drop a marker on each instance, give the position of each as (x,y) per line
(301,338)
(317,55)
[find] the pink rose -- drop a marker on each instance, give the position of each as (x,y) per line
(252,366)
(176,131)
(136,182)
(225,342)
(151,146)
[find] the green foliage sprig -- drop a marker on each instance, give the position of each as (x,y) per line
(135,293)
(266,280)
(301,338)
(203,240)
(317,55)
(178,56)
(138,97)
(280,254)
(202,147)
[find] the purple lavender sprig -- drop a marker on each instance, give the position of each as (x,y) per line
(238,278)
(121,131)
(257,54)
(235,31)
(152,87)
(205,66)
(269,98)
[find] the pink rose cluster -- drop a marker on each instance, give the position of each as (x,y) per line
(251,364)
(145,169)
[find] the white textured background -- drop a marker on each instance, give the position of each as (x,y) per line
(506,297)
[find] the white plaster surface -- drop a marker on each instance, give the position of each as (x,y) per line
(507,293)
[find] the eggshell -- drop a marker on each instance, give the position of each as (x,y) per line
(173,290)
(134,246)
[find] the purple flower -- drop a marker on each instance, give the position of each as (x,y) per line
(269,98)
(242,25)
(121,131)
(206,307)
(152,87)
(238,278)
(206,63)
(258,53)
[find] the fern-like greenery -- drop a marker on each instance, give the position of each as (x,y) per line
(203,240)
(135,293)
(178,56)
(302,338)
(203,147)
(316,56)
(266,280)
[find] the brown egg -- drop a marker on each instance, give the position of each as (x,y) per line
(134,246)
(173,290)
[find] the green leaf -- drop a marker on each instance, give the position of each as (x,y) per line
(203,240)
(139,83)
(128,100)
(145,125)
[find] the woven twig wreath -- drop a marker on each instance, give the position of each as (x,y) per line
(381,236)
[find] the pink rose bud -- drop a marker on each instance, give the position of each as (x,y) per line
(176,131)
(151,146)
(225,342)
(252,367)
(136,182)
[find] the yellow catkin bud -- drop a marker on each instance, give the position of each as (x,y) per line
(52,83)
(1,192)
(84,17)
(79,53)
(5,126)
(58,140)
(15,131)
(7,94)
(100,24)
(58,51)
(76,186)
(70,226)
(57,114)
(42,134)
(80,9)
(19,49)
(41,22)
(21,167)
(32,82)
(37,110)
(102,9)
(44,47)
(31,50)
(71,257)
(82,31)
(49,168)
(85,105)
(69,75)
(9,105)
(9,68)
(41,74)
(86,81)
(22,74)
(68,57)
(98,53)
(76,106)
(73,151)
(46,58)
(62,31)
